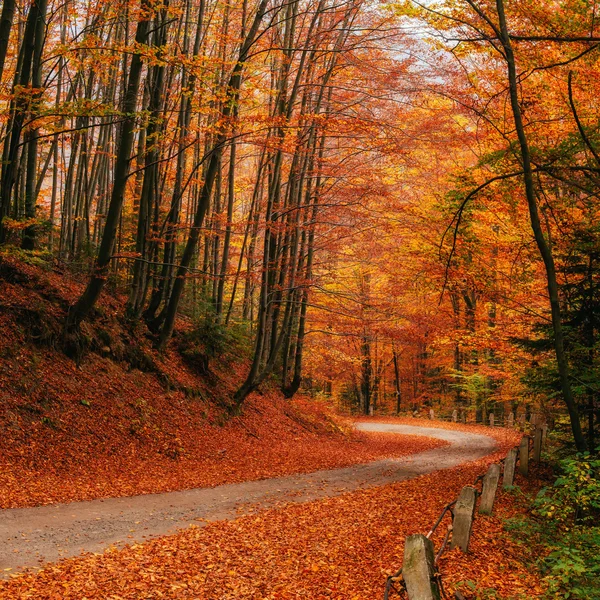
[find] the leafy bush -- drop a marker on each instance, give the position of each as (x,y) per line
(568,524)
(210,339)
(35,258)
(572,569)
(574,499)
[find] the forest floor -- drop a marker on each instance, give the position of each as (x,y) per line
(121,423)
(124,420)
(338,547)
(51,532)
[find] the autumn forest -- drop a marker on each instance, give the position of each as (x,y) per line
(389,207)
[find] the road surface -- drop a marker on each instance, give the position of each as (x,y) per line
(30,537)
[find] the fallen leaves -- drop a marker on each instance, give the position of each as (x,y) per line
(93,459)
(105,429)
(340,548)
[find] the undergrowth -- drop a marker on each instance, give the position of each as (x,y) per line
(563,529)
(209,339)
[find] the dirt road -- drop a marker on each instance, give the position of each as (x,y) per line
(31,536)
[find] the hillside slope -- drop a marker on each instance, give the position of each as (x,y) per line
(124,420)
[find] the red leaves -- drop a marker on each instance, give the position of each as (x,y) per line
(112,448)
(107,429)
(340,548)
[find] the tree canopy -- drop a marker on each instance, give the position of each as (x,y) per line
(397,199)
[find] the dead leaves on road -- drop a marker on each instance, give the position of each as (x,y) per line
(340,548)
(95,454)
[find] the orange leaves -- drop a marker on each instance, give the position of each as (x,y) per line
(161,451)
(339,548)
(106,428)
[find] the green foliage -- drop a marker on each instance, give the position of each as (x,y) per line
(34,258)
(474,386)
(574,499)
(572,569)
(49,421)
(578,261)
(566,522)
(210,339)
(476,592)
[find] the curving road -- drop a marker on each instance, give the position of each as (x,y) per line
(30,537)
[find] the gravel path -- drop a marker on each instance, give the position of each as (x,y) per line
(30,537)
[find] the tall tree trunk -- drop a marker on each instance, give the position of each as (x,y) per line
(29,234)
(229,110)
(88,299)
(228,228)
(542,244)
(249,232)
(397,379)
(19,108)
(149,194)
(6,21)
(283,108)
(163,283)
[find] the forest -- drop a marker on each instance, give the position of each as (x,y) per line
(389,205)
(392,192)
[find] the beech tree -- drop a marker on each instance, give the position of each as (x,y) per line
(351,198)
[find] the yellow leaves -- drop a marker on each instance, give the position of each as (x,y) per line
(405,8)
(19,225)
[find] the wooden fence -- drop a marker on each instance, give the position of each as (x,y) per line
(420,578)
(510,420)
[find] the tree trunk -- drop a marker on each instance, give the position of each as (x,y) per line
(149,194)
(29,234)
(6,21)
(88,299)
(397,379)
(228,227)
(542,244)
(232,94)
(19,107)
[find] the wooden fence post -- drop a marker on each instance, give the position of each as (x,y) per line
(544,434)
(534,419)
(431,414)
(511,420)
(464,511)
(488,493)
(509,468)
(454,415)
(491,419)
(418,569)
(524,456)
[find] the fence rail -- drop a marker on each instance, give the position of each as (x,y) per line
(420,578)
